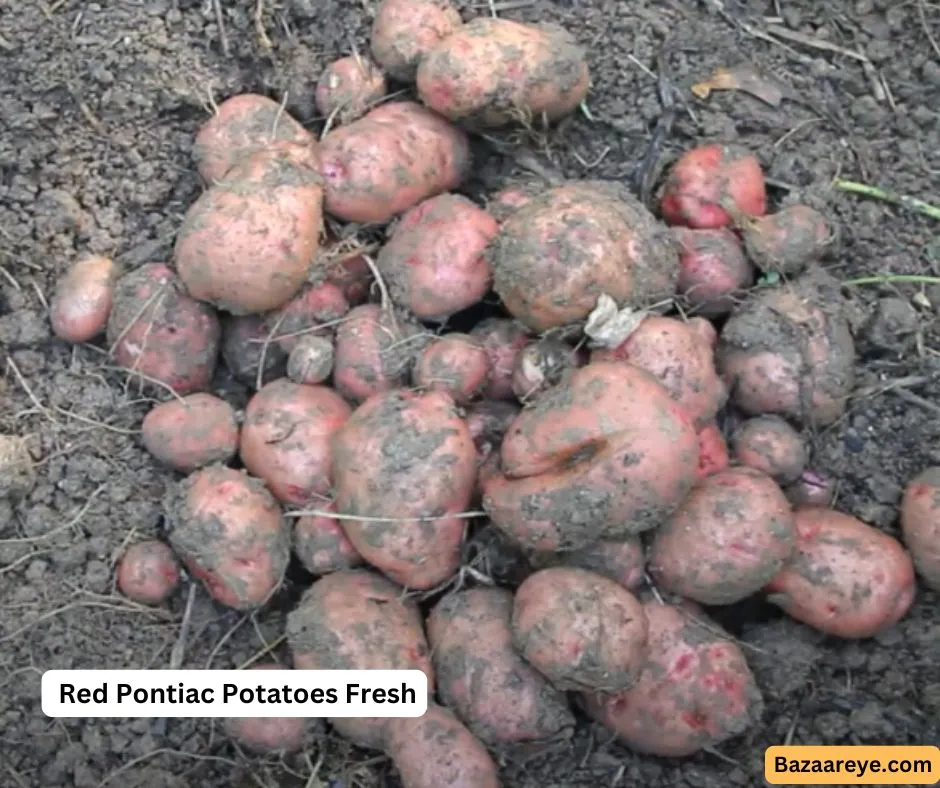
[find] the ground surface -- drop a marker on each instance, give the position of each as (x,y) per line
(98,108)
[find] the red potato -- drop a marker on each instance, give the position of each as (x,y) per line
(243,125)
(789,350)
(772,446)
(434,263)
(81,304)
(494,72)
(267,734)
(624,561)
(730,537)
(787,241)
(404,31)
(349,87)
(230,532)
(681,355)
(811,489)
(579,629)
(920,524)
(245,345)
(712,451)
(190,433)
(311,360)
(453,363)
(313,311)
(375,351)
(286,438)
(542,364)
(148,572)
(696,689)
(267,207)
(401,457)
(357,620)
(483,679)
(321,543)
(388,161)
(709,183)
(553,257)
(714,272)
(158,330)
(846,579)
(605,455)
(438,750)
(503,340)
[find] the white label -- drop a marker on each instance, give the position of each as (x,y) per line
(234,693)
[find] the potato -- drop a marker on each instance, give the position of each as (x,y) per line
(542,364)
(846,578)
(772,446)
(605,455)
(405,456)
(347,268)
(267,207)
(243,125)
(356,620)
(286,438)
(229,531)
(315,310)
(920,524)
(81,303)
(789,350)
(404,31)
(811,489)
(712,451)
(483,679)
(696,689)
(488,422)
(503,341)
(349,87)
(553,257)
(311,360)
(456,364)
(388,161)
(245,340)
(437,750)
(267,734)
(680,354)
(709,183)
(787,241)
(494,72)
(148,572)
(321,543)
(713,270)
(623,561)
(158,330)
(189,433)
(730,537)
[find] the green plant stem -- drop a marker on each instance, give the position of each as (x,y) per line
(880,194)
(895,278)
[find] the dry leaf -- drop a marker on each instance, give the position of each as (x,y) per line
(744,78)
(608,326)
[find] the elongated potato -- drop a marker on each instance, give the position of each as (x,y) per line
(920,524)
(81,304)
(404,31)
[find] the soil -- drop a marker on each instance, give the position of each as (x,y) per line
(99,107)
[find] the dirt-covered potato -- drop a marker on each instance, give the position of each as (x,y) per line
(456,364)
(493,72)
(920,524)
(348,88)
(81,303)
(189,433)
(554,256)
(543,363)
(483,679)
(311,360)
(503,340)
(714,273)
(321,545)
(787,241)
(158,330)
(267,734)
(246,344)
(771,445)
(404,31)
(148,572)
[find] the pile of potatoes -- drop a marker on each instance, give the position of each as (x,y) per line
(630,425)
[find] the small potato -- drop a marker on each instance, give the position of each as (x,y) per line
(321,544)
(357,620)
(714,273)
(229,531)
(624,561)
(388,161)
(81,304)
(920,524)
(591,637)
(404,31)
(311,360)
(268,207)
(348,88)
(787,241)
(190,433)
(148,572)
(438,750)
(696,689)
(243,125)
(286,435)
(681,356)
(846,579)
(728,539)
(542,364)
(244,343)
(313,311)
(456,364)
(503,341)
(434,263)
(267,734)
(772,446)
(158,330)
(500,697)
(401,457)
(712,451)
(495,72)
(709,180)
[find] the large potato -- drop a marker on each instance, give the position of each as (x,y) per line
(404,31)
(493,72)
(920,524)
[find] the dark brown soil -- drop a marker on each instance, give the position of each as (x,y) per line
(99,106)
